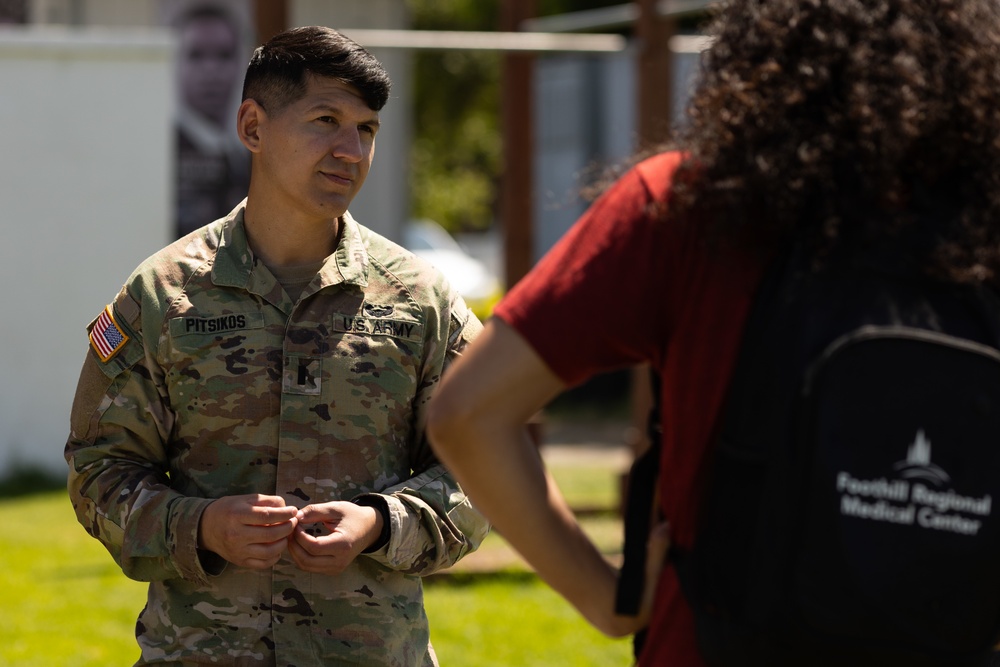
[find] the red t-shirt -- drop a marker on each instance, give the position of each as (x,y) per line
(626,286)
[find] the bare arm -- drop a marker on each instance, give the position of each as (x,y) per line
(477,428)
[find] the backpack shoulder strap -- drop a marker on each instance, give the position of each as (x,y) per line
(642,478)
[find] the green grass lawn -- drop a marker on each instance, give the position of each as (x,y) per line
(513,619)
(65,600)
(66,603)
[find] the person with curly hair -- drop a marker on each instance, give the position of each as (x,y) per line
(838,125)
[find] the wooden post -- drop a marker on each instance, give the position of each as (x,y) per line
(654,108)
(517,182)
(271,17)
(517,192)
(655,75)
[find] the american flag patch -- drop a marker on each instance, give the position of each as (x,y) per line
(107,337)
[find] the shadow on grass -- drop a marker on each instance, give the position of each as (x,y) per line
(26,481)
(602,396)
(464,579)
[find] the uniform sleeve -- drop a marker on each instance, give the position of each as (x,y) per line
(433,524)
(117,458)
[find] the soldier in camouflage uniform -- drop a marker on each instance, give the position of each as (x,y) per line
(248,430)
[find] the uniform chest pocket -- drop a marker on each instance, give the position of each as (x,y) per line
(377,356)
(220,365)
(370,372)
(355,400)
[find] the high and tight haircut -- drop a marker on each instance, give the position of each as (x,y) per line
(276,75)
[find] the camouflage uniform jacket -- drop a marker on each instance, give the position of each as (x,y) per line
(205,380)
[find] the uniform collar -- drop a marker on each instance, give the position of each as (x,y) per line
(234,259)
(351,255)
(234,262)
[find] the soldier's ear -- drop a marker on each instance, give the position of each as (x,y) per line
(250,119)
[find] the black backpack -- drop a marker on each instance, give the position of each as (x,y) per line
(849,517)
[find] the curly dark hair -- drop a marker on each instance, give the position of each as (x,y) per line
(850,120)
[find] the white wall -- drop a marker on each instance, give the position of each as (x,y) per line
(85,195)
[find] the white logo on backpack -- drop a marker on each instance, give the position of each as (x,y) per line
(899,500)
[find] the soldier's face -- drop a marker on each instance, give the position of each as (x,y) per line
(315,153)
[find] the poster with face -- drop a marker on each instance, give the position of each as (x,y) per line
(13,12)
(214,44)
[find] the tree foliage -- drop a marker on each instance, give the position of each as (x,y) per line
(455,159)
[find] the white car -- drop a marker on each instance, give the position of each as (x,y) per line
(474,281)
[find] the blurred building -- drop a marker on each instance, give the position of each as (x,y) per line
(95,101)
(212,182)
(88,174)
(586,121)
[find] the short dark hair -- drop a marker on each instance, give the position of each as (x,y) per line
(276,75)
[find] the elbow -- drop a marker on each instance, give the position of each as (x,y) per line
(449,423)
(460,420)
